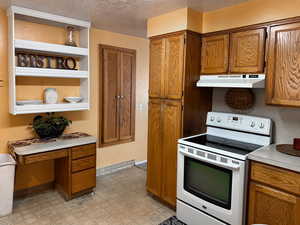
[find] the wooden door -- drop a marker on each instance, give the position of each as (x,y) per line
(110,103)
(247,51)
(214,54)
(117,100)
(272,207)
(174,61)
(154,159)
(127,95)
(171,132)
(283,80)
(157,56)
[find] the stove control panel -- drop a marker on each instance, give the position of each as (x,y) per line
(240,122)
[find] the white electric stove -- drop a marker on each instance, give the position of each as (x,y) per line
(212,168)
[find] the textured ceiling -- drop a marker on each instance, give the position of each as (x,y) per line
(122,16)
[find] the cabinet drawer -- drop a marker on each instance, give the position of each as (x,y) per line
(46,156)
(83,151)
(83,180)
(84,163)
(276,177)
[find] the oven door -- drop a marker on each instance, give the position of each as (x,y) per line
(211,183)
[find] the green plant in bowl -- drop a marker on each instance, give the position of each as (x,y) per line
(50,126)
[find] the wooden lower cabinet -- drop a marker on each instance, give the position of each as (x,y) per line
(269,205)
(164,130)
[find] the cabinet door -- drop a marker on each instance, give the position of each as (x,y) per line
(173,73)
(127,96)
(111,86)
(154,159)
(272,207)
(157,56)
(283,80)
(172,119)
(214,54)
(247,50)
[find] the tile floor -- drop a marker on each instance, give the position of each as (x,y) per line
(119,199)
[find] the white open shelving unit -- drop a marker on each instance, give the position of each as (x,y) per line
(17,45)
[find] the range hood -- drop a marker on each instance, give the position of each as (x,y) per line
(232,81)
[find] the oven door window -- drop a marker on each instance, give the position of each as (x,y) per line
(208,182)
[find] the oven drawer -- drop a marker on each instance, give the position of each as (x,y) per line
(83,151)
(83,180)
(192,216)
(276,177)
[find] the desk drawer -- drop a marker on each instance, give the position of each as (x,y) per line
(83,151)
(83,180)
(45,156)
(276,177)
(84,163)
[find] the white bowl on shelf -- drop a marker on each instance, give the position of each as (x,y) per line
(73,99)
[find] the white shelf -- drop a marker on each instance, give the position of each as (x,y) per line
(43,108)
(80,53)
(47,18)
(55,73)
(43,47)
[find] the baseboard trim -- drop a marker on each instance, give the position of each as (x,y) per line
(137,163)
(114,168)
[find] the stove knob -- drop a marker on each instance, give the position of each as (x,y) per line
(252,124)
(212,118)
(219,120)
(261,126)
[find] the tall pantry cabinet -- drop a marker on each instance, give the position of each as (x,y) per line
(177,108)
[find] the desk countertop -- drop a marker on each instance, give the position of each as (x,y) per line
(50,145)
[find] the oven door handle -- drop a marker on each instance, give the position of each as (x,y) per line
(216,163)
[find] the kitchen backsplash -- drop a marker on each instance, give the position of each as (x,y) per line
(286,120)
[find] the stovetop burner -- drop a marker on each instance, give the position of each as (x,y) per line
(225,144)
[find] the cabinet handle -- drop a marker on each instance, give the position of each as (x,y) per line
(118,97)
(122,96)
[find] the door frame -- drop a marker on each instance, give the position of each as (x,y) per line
(101,94)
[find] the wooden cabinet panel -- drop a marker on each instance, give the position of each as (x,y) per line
(117,105)
(127,98)
(154,159)
(173,73)
(172,119)
(157,59)
(84,163)
(83,151)
(276,177)
(83,180)
(283,80)
(111,85)
(272,207)
(247,50)
(214,54)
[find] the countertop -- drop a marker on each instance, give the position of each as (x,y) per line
(51,145)
(269,155)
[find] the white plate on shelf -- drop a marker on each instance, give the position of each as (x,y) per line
(73,99)
(29,102)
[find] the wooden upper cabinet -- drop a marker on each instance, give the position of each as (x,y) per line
(117,103)
(156,78)
(247,50)
(273,207)
(283,77)
(214,54)
(173,73)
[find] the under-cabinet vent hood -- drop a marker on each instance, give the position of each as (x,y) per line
(232,81)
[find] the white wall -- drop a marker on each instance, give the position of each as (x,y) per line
(286,120)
